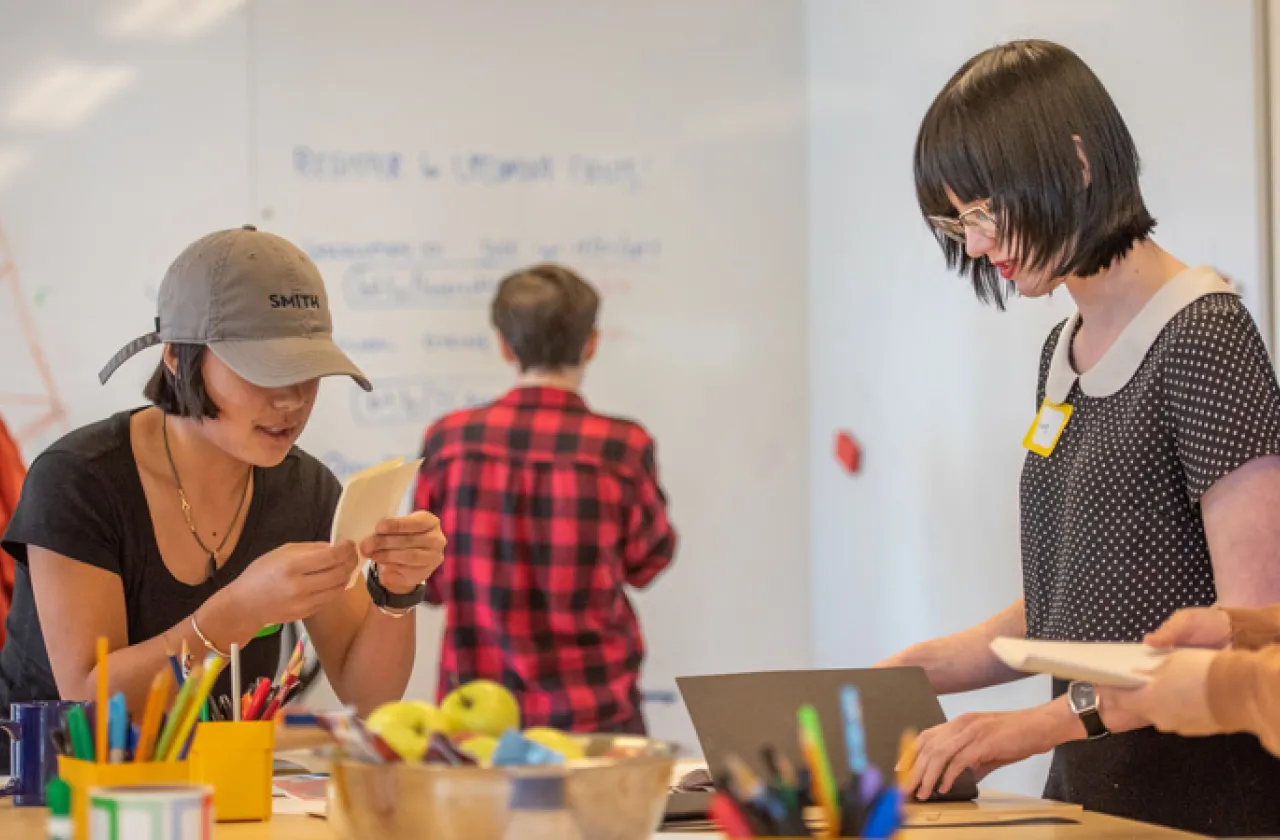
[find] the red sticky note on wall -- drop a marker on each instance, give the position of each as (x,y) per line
(848,452)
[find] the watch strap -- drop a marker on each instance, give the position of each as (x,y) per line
(1093,725)
(383,598)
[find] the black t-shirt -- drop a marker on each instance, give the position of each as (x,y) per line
(83,498)
(1113,538)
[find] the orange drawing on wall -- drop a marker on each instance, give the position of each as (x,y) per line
(29,396)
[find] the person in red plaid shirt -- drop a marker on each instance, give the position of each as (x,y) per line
(551,512)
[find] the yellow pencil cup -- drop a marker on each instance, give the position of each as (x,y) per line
(82,776)
(236,759)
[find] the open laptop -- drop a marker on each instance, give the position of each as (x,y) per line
(741,713)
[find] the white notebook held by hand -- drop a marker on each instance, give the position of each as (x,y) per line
(1102,663)
(369,497)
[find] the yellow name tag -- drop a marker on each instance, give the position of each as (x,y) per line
(1044,433)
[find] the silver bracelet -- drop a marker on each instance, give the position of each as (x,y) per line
(208,644)
(394,613)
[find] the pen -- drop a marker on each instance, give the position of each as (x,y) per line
(235,680)
(118,729)
(100,747)
(78,727)
(815,753)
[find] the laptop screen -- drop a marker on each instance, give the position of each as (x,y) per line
(742,713)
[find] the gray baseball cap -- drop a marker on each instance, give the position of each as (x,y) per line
(257,301)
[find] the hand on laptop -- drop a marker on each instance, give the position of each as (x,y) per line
(982,742)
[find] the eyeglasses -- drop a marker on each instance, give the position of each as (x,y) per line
(957,227)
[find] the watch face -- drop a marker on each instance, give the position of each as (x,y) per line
(1082,696)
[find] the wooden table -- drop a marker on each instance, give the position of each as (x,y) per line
(29,824)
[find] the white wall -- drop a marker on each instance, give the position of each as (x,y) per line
(939,389)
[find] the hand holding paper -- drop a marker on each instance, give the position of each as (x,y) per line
(407,550)
(368,498)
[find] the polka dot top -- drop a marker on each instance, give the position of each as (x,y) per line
(1113,541)
(1112,538)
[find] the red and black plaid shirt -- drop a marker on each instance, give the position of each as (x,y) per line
(550,511)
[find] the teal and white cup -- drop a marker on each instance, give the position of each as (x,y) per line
(153,812)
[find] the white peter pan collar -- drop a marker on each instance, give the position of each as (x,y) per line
(1122,360)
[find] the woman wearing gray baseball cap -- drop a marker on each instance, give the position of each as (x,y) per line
(196,520)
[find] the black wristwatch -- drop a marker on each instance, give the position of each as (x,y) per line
(382,598)
(1084,702)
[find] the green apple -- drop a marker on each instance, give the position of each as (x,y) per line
(406,726)
(483,707)
(480,747)
(554,739)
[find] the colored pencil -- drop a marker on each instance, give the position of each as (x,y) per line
(101,712)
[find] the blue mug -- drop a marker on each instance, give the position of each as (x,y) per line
(33,758)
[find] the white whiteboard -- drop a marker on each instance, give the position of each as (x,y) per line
(420,150)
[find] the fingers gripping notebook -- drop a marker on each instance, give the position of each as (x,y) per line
(1103,663)
(369,497)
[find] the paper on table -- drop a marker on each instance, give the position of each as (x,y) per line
(284,806)
(369,497)
(1103,663)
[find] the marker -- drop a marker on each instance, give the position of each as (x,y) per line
(118,724)
(885,815)
(81,739)
(259,700)
(726,814)
(815,755)
(854,736)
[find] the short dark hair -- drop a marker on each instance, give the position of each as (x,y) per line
(1002,129)
(546,314)
(183,395)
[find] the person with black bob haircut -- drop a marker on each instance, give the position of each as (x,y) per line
(196,521)
(1153,466)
